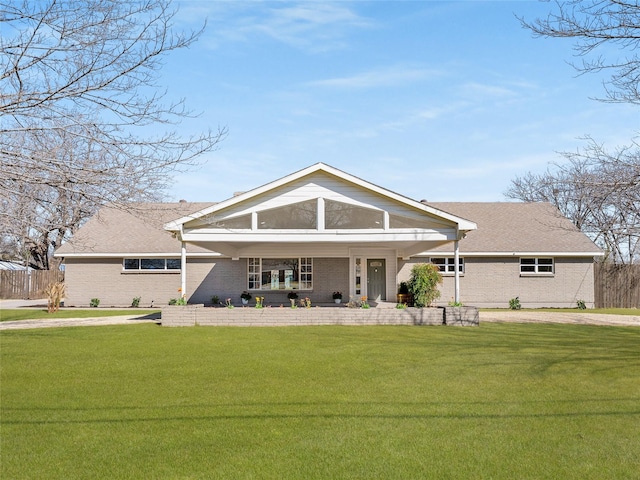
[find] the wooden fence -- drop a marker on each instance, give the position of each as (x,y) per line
(22,284)
(617,286)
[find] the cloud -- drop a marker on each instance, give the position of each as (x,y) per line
(396,76)
(482,90)
(309,26)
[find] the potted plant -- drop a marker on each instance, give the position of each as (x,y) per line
(403,296)
(245,297)
(337,297)
(292,296)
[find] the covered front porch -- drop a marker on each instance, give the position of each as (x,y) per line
(277,235)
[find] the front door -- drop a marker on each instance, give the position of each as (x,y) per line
(376,280)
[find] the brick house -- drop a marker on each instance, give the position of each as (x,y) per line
(321,230)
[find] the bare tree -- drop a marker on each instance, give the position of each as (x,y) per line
(78,98)
(598,191)
(594,24)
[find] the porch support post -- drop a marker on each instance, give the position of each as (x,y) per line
(183,269)
(456,261)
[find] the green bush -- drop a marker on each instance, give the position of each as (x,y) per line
(582,305)
(94,302)
(135,302)
(514,304)
(423,284)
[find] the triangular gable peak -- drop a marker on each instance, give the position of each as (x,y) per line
(313,203)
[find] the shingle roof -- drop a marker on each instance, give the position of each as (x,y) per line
(504,227)
(517,227)
(139,229)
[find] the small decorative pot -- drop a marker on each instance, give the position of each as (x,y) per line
(245,301)
(337,300)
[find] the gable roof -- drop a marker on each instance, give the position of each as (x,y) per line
(136,230)
(503,228)
(462,223)
(516,227)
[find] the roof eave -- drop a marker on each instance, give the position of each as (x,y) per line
(463,225)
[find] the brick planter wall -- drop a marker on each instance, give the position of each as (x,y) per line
(462,316)
(191,315)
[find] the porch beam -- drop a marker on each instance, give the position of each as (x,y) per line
(456,261)
(183,269)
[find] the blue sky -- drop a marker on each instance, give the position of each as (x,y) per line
(444,101)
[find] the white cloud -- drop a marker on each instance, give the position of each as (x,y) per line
(310,26)
(385,77)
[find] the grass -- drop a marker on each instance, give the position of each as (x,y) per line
(11,314)
(501,401)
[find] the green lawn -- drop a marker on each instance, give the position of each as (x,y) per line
(11,314)
(501,401)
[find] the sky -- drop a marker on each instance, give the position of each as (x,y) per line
(441,101)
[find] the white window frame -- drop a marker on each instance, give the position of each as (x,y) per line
(538,268)
(254,274)
(448,265)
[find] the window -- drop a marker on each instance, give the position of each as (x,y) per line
(399,221)
(302,215)
(338,215)
(536,266)
(447,264)
(151,264)
(280,273)
(234,223)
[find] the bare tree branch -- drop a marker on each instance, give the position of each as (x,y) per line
(598,191)
(594,24)
(77,94)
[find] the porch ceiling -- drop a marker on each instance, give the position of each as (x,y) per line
(316,249)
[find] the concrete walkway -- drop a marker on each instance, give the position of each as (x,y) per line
(517,316)
(78,322)
(67,322)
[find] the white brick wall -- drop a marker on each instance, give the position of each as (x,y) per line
(491,282)
(486,282)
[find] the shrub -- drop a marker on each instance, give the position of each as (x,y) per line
(423,284)
(135,302)
(292,295)
(514,304)
(364,303)
(215,300)
(582,305)
(94,302)
(55,294)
